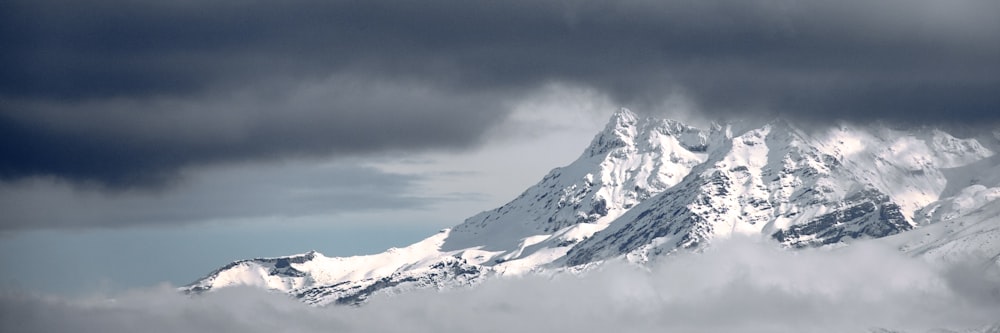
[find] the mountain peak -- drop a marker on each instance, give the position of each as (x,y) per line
(623,118)
(620,131)
(628,129)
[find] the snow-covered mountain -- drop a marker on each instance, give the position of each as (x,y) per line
(647,186)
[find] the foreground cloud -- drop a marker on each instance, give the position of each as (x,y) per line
(737,286)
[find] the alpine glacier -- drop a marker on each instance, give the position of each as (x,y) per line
(647,187)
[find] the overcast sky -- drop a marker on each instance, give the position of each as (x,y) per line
(157,116)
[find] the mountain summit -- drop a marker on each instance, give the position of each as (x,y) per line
(647,186)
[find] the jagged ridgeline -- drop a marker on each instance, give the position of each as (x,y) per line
(647,187)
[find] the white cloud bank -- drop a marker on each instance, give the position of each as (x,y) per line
(737,286)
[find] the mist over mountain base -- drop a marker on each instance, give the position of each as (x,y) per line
(736,285)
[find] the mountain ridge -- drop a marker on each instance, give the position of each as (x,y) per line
(647,186)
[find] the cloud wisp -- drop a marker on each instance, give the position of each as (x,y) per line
(126,93)
(738,286)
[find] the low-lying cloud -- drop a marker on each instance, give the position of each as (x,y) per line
(737,286)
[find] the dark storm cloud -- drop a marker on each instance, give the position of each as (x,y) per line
(139,142)
(126,93)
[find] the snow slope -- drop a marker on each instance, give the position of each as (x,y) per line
(647,186)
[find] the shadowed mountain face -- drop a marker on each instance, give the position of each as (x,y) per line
(647,187)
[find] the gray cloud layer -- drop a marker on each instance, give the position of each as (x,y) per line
(283,190)
(126,93)
(735,287)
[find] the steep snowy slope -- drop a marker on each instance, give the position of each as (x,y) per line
(801,188)
(963,227)
(648,186)
(629,161)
